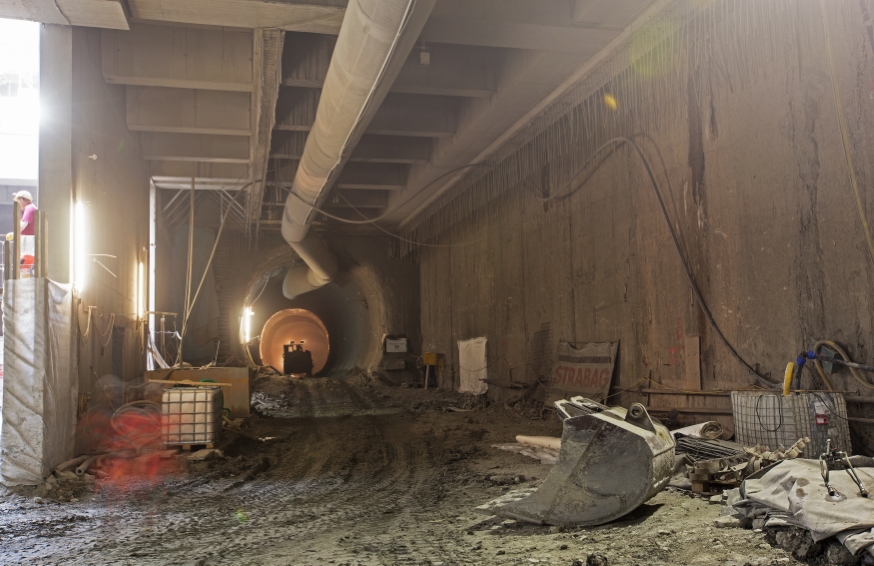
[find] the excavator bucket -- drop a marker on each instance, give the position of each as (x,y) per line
(611,461)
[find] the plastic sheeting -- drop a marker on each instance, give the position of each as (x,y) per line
(707,430)
(40,385)
(796,491)
(473,366)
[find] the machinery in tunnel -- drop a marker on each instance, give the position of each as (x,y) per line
(342,324)
(296,341)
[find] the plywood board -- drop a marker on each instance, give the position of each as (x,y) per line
(236,396)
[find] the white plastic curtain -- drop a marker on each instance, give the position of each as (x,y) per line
(40,381)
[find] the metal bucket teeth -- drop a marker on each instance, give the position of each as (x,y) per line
(611,462)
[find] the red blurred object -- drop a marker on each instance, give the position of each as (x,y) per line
(132,442)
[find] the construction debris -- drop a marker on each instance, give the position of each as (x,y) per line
(709,466)
(708,430)
(791,495)
(762,456)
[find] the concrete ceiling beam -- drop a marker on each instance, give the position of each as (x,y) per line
(355,176)
(160,146)
(576,26)
(513,35)
(393,149)
(317,16)
(357,199)
(87,13)
(188,111)
(380,176)
(452,70)
(399,115)
(419,116)
(183,171)
(530,82)
(179,57)
(372,148)
(348,213)
(615,13)
(528,78)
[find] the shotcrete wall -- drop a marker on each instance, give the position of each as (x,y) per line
(756,183)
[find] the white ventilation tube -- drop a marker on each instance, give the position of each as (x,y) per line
(374,41)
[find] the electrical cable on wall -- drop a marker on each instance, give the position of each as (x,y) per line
(560,194)
(845,138)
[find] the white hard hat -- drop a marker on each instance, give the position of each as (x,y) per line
(24,195)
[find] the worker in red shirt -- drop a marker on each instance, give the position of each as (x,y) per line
(25,201)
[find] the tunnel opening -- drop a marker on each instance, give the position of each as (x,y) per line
(292,327)
(335,321)
(371,297)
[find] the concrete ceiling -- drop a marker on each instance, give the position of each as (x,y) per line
(221,95)
(486,65)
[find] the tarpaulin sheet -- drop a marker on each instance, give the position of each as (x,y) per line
(40,385)
(796,488)
(473,366)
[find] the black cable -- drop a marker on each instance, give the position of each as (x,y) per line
(833,411)
(624,140)
(609,143)
(758,418)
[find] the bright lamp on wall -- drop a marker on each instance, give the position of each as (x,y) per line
(80,246)
(247,323)
(141,290)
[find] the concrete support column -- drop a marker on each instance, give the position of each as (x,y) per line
(55,144)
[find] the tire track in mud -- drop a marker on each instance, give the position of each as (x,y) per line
(320,490)
(336,487)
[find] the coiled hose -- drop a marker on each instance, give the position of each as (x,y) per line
(853,371)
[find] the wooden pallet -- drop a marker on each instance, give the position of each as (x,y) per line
(188,447)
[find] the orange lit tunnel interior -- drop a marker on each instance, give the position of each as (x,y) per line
(294,325)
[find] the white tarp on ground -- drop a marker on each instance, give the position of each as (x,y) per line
(472,362)
(40,385)
(796,488)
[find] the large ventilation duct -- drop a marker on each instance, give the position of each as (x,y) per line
(374,41)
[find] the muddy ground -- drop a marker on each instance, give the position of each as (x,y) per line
(358,474)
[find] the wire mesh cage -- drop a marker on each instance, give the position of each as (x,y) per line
(192,415)
(775,420)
